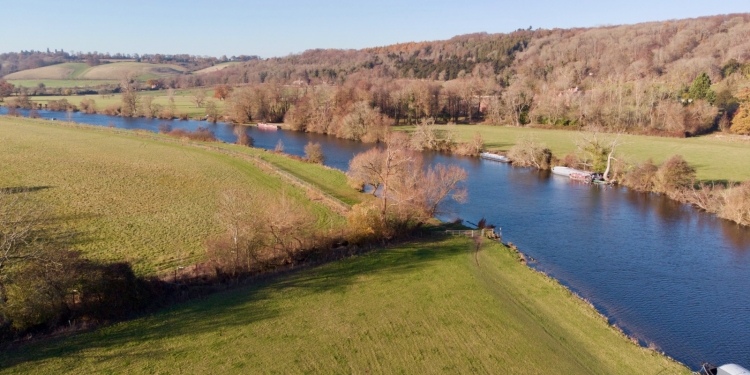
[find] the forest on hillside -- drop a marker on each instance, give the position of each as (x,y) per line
(681,77)
(675,78)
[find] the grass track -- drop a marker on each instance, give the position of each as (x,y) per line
(418,308)
(130,198)
(715,158)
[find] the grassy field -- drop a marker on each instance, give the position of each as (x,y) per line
(183,100)
(129,198)
(715,157)
(62,83)
(329,180)
(418,308)
(113,71)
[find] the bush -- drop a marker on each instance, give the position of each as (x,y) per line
(314,153)
(737,204)
(528,152)
(201,134)
(675,174)
(471,148)
(641,177)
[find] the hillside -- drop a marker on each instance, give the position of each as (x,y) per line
(676,78)
(215,68)
(112,71)
(424,307)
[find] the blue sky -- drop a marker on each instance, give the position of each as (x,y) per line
(281,27)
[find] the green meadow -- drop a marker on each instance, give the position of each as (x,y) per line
(131,198)
(419,308)
(716,157)
(183,100)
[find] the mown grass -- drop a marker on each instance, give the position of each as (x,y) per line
(423,307)
(129,198)
(721,158)
(62,83)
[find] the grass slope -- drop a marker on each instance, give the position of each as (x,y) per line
(715,158)
(112,71)
(130,198)
(418,308)
(216,67)
(330,180)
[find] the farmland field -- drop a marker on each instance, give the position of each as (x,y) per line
(129,198)
(112,71)
(422,307)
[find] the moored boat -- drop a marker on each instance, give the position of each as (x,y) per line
(494,157)
(265,126)
(565,171)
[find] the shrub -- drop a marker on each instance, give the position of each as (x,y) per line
(641,177)
(88,106)
(471,148)
(201,134)
(737,204)
(673,175)
(528,152)
(314,153)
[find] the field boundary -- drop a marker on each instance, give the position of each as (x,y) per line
(314,193)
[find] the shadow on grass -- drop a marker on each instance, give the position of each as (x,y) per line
(498,145)
(228,311)
(22,189)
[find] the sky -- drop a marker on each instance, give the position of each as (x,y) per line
(282,27)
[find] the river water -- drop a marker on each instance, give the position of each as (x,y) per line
(675,278)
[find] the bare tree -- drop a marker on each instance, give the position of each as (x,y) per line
(366,169)
(21,225)
(212,113)
(314,153)
(199,96)
(441,182)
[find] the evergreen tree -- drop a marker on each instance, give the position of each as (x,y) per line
(701,88)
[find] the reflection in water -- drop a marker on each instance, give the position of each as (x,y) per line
(663,271)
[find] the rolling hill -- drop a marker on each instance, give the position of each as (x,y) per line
(113,71)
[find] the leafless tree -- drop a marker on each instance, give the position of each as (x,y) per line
(21,228)
(199,96)
(314,152)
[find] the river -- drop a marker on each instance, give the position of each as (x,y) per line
(675,278)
